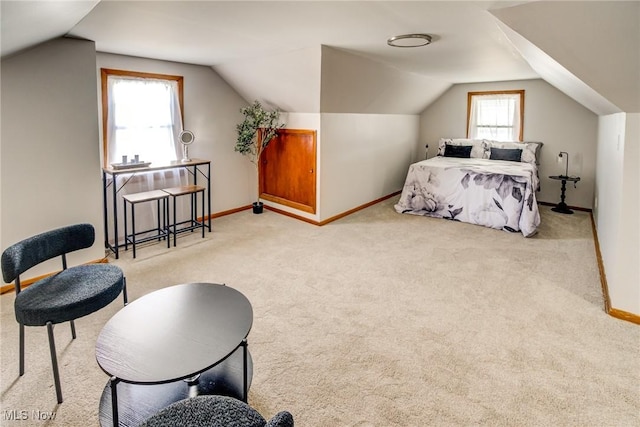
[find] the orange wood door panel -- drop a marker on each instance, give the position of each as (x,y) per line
(288,169)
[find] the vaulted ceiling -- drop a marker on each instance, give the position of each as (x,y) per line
(323,56)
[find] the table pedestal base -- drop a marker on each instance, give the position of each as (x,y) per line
(137,402)
(562,208)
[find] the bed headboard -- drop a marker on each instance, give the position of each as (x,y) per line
(481,148)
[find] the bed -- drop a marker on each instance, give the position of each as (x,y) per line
(481,182)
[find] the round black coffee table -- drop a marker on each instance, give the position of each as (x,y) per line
(173,343)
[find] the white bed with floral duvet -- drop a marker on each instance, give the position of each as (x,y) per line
(470,182)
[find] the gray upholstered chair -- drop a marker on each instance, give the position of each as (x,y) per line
(214,411)
(70,294)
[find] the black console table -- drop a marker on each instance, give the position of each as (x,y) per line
(562,206)
(110,177)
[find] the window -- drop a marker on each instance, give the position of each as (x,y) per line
(498,116)
(141,115)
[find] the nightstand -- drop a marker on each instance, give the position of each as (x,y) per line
(562,206)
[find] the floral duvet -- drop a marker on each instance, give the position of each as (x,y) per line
(493,193)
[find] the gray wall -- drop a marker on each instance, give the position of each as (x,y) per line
(364,157)
(549,116)
(50,173)
(211,111)
(51,139)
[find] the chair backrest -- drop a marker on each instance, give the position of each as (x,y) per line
(214,411)
(21,256)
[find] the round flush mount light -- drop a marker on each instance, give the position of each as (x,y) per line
(410,40)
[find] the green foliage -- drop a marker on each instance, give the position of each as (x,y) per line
(257,129)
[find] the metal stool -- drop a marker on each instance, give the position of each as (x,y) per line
(192,223)
(161,230)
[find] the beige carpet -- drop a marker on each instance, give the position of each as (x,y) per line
(381,319)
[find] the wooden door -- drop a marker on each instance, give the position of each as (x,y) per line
(288,170)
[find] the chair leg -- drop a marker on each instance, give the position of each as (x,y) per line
(175,225)
(124,291)
(54,362)
(202,223)
(126,236)
(194,201)
(133,227)
(158,223)
(165,204)
(73,329)
(21,349)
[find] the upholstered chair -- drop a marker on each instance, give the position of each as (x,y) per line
(214,411)
(62,297)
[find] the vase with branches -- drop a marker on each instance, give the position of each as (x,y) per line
(255,132)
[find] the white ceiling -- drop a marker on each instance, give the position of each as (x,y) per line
(469,46)
(27,23)
(475,41)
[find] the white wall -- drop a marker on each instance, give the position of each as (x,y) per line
(50,175)
(626,288)
(211,111)
(616,212)
(364,157)
(549,116)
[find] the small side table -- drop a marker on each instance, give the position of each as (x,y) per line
(562,206)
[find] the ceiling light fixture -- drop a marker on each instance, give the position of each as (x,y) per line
(410,40)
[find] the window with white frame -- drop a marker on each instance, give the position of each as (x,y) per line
(142,115)
(497,116)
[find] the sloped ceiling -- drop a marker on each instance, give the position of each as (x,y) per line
(288,81)
(24,24)
(307,56)
(355,84)
(329,80)
(596,41)
(272,50)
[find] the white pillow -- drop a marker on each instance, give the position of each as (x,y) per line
(477,146)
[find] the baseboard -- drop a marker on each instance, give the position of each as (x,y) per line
(356,209)
(624,315)
(224,213)
(292,215)
(603,275)
(24,283)
(333,218)
(613,312)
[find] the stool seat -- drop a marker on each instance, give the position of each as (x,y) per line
(145,196)
(160,231)
(70,294)
(185,189)
(192,223)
